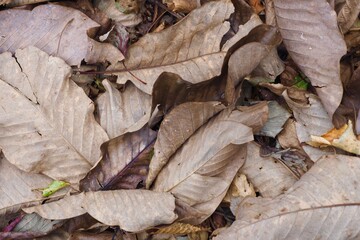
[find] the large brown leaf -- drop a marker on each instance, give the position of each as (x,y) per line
(176,128)
(57,30)
(119,152)
(323,204)
(132,210)
(313,40)
(267,174)
(122,111)
(57,135)
(191,48)
(348,14)
(18,189)
(199,176)
(311,118)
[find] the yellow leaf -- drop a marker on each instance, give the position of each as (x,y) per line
(181,229)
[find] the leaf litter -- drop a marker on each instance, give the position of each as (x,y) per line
(212,125)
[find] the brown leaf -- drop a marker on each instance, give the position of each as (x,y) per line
(180,228)
(122,111)
(18,189)
(325,196)
(128,149)
(313,40)
(57,30)
(176,128)
(348,14)
(200,176)
(190,49)
(57,135)
(115,208)
(311,118)
(267,174)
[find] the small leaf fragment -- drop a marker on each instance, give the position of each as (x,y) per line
(54,187)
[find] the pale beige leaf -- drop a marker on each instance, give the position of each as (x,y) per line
(243,31)
(58,135)
(176,128)
(331,185)
(330,222)
(18,189)
(132,210)
(190,48)
(122,111)
(312,38)
(199,176)
(57,30)
(311,119)
(269,177)
(348,14)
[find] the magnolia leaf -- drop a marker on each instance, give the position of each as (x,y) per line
(343,138)
(199,176)
(348,14)
(57,135)
(308,41)
(194,52)
(269,177)
(176,128)
(18,189)
(130,148)
(114,208)
(326,197)
(57,30)
(277,118)
(122,111)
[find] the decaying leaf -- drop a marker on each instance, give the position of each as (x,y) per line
(239,188)
(313,40)
(325,198)
(18,189)
(176,128)
(311,118)
(117,154)
(57,30)
(57,134)
(200,176)
(343,138)
(190,48)
(114,208)
(122,111)
(348,14)
(269,177)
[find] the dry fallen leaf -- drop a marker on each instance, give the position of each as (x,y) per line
(325,198)
(348,14)
(310,33)
(343,138)
(118,153)
(115,208)
(200,176)
(122,111)
(190,48)
(56,135)
(176,128)
(59,31)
